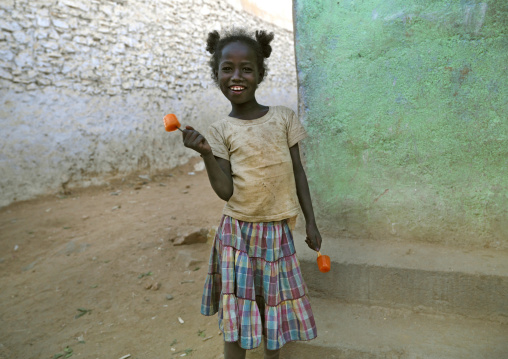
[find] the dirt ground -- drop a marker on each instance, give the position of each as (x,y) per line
(75,268)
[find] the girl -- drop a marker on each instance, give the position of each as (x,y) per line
(253,163)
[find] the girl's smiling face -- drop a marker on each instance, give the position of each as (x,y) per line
(238,73)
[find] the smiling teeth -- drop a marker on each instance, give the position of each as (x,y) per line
(236,88)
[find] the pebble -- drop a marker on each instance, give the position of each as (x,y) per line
(195,235)
(169,297)
(145,177)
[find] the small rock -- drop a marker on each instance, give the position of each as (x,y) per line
(193,237)
(169,297)
(71,247)
(145,177)
(200,166)
(180,320)
(85,217)
(30,266)
(156,286)
(148,286)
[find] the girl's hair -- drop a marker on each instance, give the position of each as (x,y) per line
(261,46)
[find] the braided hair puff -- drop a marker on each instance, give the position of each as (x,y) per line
(261,46)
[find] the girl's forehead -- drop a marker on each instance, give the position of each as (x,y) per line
(238,50)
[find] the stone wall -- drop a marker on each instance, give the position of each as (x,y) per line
(84,86)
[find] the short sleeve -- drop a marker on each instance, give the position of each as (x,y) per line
(296,131)
(216,140)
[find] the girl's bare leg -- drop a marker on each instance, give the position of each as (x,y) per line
(233,351)
(271,354)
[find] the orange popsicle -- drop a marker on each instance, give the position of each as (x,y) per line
(323,262)
(171,123)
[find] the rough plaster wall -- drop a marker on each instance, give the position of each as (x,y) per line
(406,104)
(84,86)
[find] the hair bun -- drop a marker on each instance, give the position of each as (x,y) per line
(212,41)
(264,39)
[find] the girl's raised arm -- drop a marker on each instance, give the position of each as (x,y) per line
(218,169)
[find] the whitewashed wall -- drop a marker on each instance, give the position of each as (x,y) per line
(84,86)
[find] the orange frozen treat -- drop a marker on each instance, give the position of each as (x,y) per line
(171,123)
(323,262)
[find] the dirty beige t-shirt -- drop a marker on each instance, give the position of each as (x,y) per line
(263,181)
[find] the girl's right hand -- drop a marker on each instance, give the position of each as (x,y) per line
(196,141)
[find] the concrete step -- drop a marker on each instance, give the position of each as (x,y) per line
(422,277)
(351,331)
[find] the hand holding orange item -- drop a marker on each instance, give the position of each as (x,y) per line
(323,262)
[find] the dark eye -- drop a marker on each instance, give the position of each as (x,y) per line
(226,68)
(247,69)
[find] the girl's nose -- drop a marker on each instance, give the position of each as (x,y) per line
(236,74)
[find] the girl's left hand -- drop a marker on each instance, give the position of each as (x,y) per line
(313,239)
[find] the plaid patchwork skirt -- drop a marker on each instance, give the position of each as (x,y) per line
(253,272)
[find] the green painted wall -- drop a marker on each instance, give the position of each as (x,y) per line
(406,105)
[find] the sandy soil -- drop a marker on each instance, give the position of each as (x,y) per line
(75,268)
